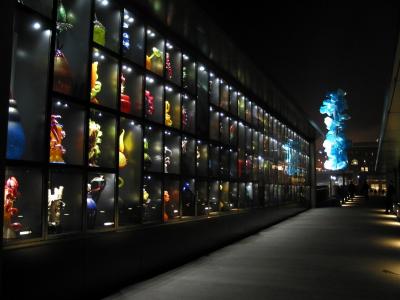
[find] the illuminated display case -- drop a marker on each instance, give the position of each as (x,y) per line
(114,124)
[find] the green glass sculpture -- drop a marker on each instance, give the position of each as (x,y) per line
(99,32)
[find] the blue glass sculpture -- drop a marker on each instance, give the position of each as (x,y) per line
(292,156)
(15,134)
(335,144)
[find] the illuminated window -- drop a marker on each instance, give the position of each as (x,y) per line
(354,162)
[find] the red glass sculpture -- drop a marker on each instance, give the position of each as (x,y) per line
(125,99)
(149,103)
(10,196)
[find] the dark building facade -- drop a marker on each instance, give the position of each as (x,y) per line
(138,136)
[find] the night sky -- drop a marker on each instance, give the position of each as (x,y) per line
(309,49)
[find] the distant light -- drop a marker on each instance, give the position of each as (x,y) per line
(26,232)
(108,223)
(104,2)
(36,26)
(201,68)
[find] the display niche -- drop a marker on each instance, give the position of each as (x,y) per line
(71,52)
(131,98)
(233,164)
(152,203)
(202,102)
(224,128)
(130,175)
(241,107)
(188,114)
(213,161)
(106,24)
(172,107)
(224,163)
(224,203)
(213,198)
(22,215)
(214,124)
(224,97)
(188,157)
(100,200)
(104,79)
(64,201)
(242,195)
(172,151)
(101,140)
(202,198)
(214,89)
(248,111)
(189,74)
(155,52)
(233,132)
(233,191)
(173,63)
(153,149)
(233,102)
(153,100)
(44,7)
(202,158)
(133,32)
(188,198)
(28,88)
(66,133)
(171,197)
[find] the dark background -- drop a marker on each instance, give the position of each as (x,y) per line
(311,48)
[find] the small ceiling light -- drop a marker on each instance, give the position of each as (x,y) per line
(104,2)
(36,26)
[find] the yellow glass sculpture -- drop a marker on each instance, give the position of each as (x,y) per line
(155,61)
(122,158)
(168,120)
(95,84)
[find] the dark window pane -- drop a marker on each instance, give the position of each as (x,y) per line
(133,38)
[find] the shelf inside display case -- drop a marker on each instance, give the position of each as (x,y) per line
(130,172)
(64,201)
(66,133)
(171,200)
(133,33)
(100,200)
(155,52)
(152,203)
(106,24)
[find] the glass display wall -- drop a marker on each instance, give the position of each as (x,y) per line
(111,124)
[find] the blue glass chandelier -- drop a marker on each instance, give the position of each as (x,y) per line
(292,156)
(335,144)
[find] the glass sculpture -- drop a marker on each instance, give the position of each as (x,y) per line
(167,158)
(149,103)
(122,158)
(168,66)
(95,188)
(147,158)
(154,61)
(168,120)
(99,32)
(57,134)
(10,196)
(167,199)
(15,132)
(95,84)
(55,205)
(125,99)
(95,135)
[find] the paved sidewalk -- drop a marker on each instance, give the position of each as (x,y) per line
(350,252)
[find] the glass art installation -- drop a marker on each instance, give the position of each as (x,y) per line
(10,196)
(168,120)
(62,73)
(122,158)
(185,116)
(292,157)
(57,134)
(95,188)
(125,99)
(99,32)
(149,103)
(335,144)
(146,196)
(95,135)
(154,61)
(168,65)
(15,132)
(95,84)
(167,199)
(55,205)
(147,158)
(167,158)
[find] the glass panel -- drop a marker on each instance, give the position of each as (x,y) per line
(172,153)
(130,172)
(188,114)
(224,128)
(248,111)
(72,52)
(241,107)
(249,194)
(242,136)
(224,163)
(28,88)
(189,74)
(22,204)
(100,200)
(233,133)
(202,198)
(213,200)
(104,78)
(202,109)
(241,164)
(155,52)
(153,100)
(133,38)
(64,202)
(248,139)
(202,158)
(153,145)
(242,195)
(214,124)
(151,199)
(172,108)
(255,115)
(224,99)
(224,204)
(106,24)
(188,197)
(131,99)
(233,103)
(44,7)
(66,133)
(188,156)
(213,161)
(233,165)
(171,200)
(214,89)
(173,63)
(233,190)
(101,140)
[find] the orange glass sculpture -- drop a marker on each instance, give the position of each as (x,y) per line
(57,134)
(94,83)
(167,198)
(168,120)
(10,196)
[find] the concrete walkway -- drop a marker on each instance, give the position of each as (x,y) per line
(350,252)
